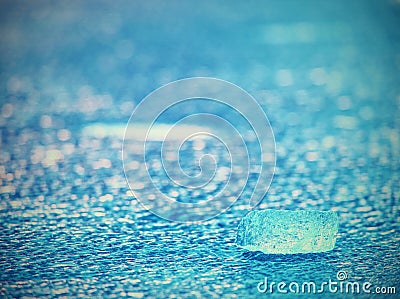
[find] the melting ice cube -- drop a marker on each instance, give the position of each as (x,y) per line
(288,232)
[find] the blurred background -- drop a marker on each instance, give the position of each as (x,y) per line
(71,72)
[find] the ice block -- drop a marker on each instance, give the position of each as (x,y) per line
(288,232)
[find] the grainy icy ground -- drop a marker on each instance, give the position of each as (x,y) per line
(327,75)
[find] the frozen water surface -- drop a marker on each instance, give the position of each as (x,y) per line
(327,75)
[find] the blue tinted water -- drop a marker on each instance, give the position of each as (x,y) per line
(327,75)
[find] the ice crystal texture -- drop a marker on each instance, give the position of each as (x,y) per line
(288,232)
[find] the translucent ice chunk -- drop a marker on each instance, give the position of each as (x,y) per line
(279,231)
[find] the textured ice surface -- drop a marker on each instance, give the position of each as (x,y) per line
(277,231)
(73,230)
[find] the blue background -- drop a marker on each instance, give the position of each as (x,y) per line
(325,72)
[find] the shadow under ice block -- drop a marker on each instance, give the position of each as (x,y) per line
(288,232)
